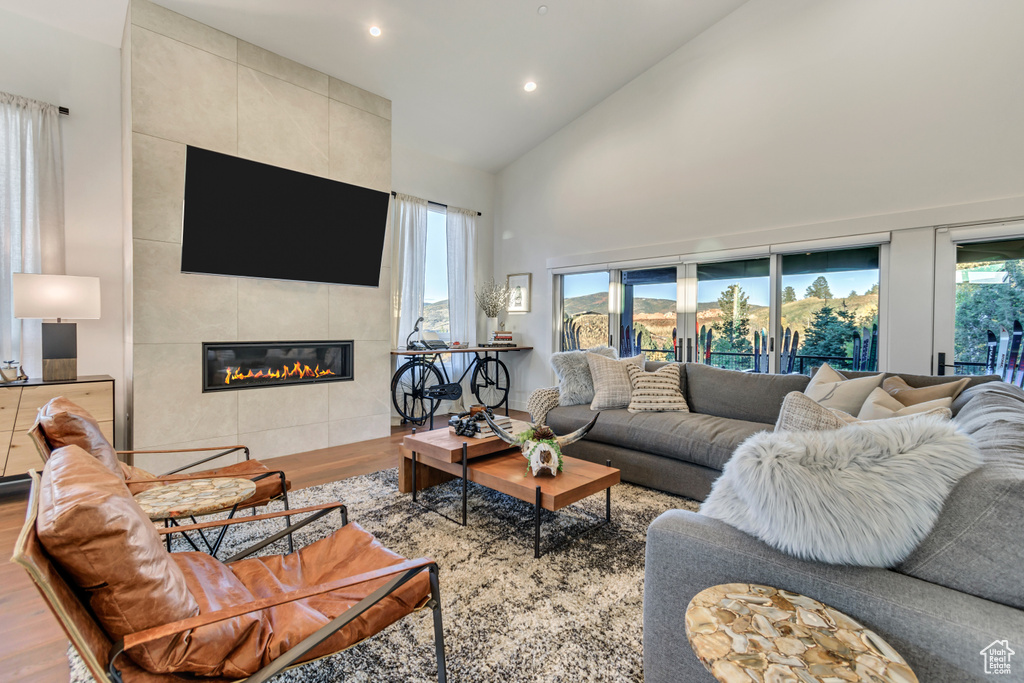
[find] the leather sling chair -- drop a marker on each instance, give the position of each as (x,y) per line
(138,614)
(61,422)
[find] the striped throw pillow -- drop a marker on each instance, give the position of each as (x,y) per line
(656,391)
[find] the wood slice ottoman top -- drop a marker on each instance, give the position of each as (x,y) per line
(744,632)
(194,497)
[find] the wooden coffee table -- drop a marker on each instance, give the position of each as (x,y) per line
(491,463)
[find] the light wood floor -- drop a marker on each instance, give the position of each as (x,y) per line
(32,645)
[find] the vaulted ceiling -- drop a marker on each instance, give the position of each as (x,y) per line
(454,69)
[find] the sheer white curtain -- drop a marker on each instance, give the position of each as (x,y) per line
(409,261)
(31,214)
(461,231)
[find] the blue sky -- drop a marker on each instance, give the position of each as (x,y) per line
(435,287)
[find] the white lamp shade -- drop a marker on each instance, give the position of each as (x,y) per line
(56,296)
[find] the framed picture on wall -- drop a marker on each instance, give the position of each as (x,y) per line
(519,292)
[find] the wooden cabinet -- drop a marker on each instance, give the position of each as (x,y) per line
(20,402)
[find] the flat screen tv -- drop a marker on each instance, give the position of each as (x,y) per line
(248,219)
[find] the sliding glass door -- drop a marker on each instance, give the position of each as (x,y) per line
(648,320)
(828,310)
(733,300)
(584,309)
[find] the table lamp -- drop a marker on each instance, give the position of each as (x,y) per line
(57,296)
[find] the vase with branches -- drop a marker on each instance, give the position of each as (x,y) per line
(493,299)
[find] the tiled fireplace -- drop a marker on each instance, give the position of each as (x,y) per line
(247,365)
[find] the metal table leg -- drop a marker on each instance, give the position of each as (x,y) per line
(465,463)
(414,476)
(608,498)
(536,526)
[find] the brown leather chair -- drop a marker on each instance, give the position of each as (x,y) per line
(136,613)
(62,423)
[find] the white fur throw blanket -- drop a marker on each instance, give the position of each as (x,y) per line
(866,494)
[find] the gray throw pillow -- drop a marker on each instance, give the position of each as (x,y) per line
(575,383)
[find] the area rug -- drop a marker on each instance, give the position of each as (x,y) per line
(575,614)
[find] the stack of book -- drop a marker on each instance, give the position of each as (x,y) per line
(500,420)
(501,338)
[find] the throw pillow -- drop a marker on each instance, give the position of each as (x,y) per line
(832,390)
(575,384)
(612,387)
(879,405)
(655,391)
(898,388)
(801,413)
(864,495)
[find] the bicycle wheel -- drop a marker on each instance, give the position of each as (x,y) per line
(490,382)
(407,388)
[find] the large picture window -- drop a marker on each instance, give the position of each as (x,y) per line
(732,305)
(435,281)
(584,310)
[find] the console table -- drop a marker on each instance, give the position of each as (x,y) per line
(20,401)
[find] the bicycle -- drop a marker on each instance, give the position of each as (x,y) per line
(418,386)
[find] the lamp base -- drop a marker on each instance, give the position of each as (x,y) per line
(60,352)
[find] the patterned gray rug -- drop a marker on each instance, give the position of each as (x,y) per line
(573,615)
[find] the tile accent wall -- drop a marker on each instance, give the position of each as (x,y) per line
(193,85)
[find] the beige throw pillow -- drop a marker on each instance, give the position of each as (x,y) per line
(656,391)
(612,387)
(832,390)
(801,413)
(898,388)
(879,405)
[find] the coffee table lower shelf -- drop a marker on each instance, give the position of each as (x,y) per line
(506,473)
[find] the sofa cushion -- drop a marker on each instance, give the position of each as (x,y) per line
(975,546)
(748,396)
(656,391)
(881,405)
(65,423)
(91,526)
(801,413)
(704,440)
(832,389)
(898,388)
(612,387)
(575,383)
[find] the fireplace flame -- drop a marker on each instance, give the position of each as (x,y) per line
(297,371)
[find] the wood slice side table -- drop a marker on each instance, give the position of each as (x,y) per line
(746,632)
(196,497)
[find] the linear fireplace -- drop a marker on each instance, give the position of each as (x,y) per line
(247,365)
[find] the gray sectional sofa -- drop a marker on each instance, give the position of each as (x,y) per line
(962,589)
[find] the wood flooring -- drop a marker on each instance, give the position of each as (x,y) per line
(32,645)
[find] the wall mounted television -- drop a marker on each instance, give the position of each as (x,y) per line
(248,219)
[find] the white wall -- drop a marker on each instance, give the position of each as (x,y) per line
(446,182)
(788,120)
(64,69)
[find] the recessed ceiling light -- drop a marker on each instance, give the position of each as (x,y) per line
(375,31)
(530,86)
(542,10)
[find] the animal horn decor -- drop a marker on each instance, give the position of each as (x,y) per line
(540,445)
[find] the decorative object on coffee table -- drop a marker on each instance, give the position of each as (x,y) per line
(744,632)
(519,286)
(539,444)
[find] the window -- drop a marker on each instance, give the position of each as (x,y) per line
(989,301)
(584,310)
(829,305)
(435,285)
(649,313)
(733,300)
